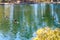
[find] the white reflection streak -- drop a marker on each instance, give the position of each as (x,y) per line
(42,13)
(11,15)
(35,12)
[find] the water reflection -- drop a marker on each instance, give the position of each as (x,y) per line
(20,21)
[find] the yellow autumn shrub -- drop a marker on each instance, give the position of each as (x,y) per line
(47,34)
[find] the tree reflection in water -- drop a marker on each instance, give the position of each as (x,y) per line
(20,21)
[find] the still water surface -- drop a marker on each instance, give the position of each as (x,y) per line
(20,21)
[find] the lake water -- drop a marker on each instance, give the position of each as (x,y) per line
(21,21)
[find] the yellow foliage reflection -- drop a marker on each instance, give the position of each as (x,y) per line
(47,34)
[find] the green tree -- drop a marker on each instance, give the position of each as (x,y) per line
(48,18)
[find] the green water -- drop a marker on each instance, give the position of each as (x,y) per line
(20,21)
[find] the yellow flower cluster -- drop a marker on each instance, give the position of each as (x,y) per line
(47,34)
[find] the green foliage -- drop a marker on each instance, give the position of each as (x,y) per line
(5,24)
(16,17)
(47,16)
(1,12)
